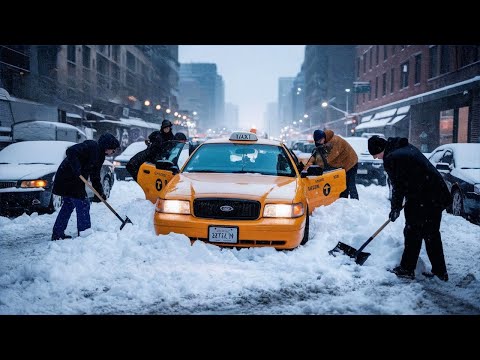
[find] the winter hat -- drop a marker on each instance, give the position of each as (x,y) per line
(318,134)
(166,123)
(108,141)
(376,145)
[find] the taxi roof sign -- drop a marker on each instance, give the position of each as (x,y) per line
(243,136)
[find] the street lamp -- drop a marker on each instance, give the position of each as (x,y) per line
(345,113)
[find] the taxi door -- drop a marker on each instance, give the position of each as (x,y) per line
(152,180)
(324,189)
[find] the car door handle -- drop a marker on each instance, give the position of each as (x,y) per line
(146,171)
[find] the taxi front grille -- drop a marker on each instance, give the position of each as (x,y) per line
(231,209)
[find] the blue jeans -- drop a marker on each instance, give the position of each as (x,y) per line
(83,215)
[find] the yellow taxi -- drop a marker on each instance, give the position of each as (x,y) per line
(241,191)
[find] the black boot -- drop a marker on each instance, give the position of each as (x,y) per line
(61,237)
(443,277)
(403,273)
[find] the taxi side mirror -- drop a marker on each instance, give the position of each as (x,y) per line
(314,170)
(165,165)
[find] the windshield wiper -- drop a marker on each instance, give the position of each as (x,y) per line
(4,163)
(469,168)
(36,163)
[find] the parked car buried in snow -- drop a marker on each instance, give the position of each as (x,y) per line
(459,165)
(240,191)
(27,171)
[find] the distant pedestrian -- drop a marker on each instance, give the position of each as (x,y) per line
(416,180)
(84,159)
(338,153)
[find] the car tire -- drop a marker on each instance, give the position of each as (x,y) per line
(107,187)
(56,203)
(307,229)
(457,204)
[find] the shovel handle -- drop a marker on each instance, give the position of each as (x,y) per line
(100,197)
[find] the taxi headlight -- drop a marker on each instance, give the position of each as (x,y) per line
(33,183)
(173,206)
(283,210)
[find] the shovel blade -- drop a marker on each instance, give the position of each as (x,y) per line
(360,257)
(127,220)
(343,248)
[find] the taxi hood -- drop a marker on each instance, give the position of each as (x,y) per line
(248,186)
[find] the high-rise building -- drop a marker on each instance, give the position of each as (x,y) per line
(270,120)
(202,90)
(231,116)
(284,101)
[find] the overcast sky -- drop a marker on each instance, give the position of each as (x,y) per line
(250,73)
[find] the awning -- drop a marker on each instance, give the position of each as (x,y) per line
(396,119)
(72,115)
(373,123)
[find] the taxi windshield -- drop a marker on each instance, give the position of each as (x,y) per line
(241,158)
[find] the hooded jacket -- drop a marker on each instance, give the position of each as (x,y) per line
(339,152)
(84,159)
(413,176)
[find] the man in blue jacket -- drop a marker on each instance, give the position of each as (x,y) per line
(82,159)
(416,180)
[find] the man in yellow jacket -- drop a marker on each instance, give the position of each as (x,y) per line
(338,153)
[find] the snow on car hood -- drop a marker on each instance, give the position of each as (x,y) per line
(243,185)
(25,172)
(470,175)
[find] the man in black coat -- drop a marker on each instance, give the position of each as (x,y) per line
(82,159)
(416,180)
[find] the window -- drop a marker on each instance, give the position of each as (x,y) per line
(433,53)
(370,58)
(102,65)
(418,68)
(364,63)
(462,129)
(384,84)
(130,61)
(444,59)
(468,54)
(116,53)
(392,80)
(446,126)
(86,56)
(115,71)
(358,66)
(377,53)
(385,54)
(404,75)
(393,49)
(71,53)
(376,87)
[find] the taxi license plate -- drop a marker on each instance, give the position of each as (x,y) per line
(362,171)
(223,234)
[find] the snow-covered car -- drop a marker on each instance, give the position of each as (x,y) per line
(27,171)
(241,191)
(121,160)
(459,165)
(370,170)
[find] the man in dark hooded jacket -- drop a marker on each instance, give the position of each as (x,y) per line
(416,180)
(84,159)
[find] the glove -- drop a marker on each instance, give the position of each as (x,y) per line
(96,199)
(394,214)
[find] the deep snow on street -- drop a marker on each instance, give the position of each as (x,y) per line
(133,271)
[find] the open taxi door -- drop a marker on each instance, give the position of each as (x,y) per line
(323,187)
(153,177)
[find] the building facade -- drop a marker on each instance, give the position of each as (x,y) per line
(112,79)
(329,71)
(428,93)
(202,91)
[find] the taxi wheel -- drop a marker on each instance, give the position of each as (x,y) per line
(307,229)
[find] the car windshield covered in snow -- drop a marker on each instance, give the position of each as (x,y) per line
(35,152)
(241,158)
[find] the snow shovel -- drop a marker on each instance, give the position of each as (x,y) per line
(124,222)
(359,256)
